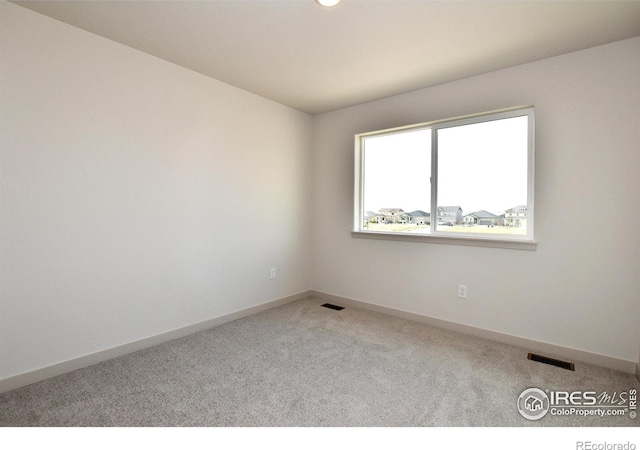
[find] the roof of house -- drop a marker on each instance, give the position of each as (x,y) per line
(388,210)
(449,208)
(419,213)
(482,214)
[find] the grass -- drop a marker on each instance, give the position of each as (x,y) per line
(485,230)
(396,227)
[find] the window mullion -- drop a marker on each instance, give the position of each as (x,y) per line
(434,179)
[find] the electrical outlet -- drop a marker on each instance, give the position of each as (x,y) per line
(462,290)
(272,274)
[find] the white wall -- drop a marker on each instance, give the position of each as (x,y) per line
(580,288)
(136,196)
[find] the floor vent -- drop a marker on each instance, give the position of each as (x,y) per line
(551,361)
(330,306)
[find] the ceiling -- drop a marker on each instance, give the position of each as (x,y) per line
(315,59)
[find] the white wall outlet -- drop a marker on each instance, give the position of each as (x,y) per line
(272,274)
(462,290)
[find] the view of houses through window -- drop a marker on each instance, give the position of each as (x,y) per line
(480,183)
(453,218)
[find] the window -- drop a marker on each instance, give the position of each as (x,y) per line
(469,179)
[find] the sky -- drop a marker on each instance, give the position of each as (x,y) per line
(481,166)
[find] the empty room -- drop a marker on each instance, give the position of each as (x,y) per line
(282,214)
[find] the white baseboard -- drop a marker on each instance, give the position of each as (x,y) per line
(529,344)
(24,379)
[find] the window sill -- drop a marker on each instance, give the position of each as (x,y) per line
(439,239)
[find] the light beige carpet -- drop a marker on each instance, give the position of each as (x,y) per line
(305,365)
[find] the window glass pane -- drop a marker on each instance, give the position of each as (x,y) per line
(396,182)
(482,177)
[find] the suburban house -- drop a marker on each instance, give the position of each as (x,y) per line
(392,215)
(449,214)
(419,217)
(370,216)
(516,216)
(397,215)
(483,217)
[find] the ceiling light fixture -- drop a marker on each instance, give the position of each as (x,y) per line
(328,3)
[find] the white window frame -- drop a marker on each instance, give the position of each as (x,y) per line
(524,242)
